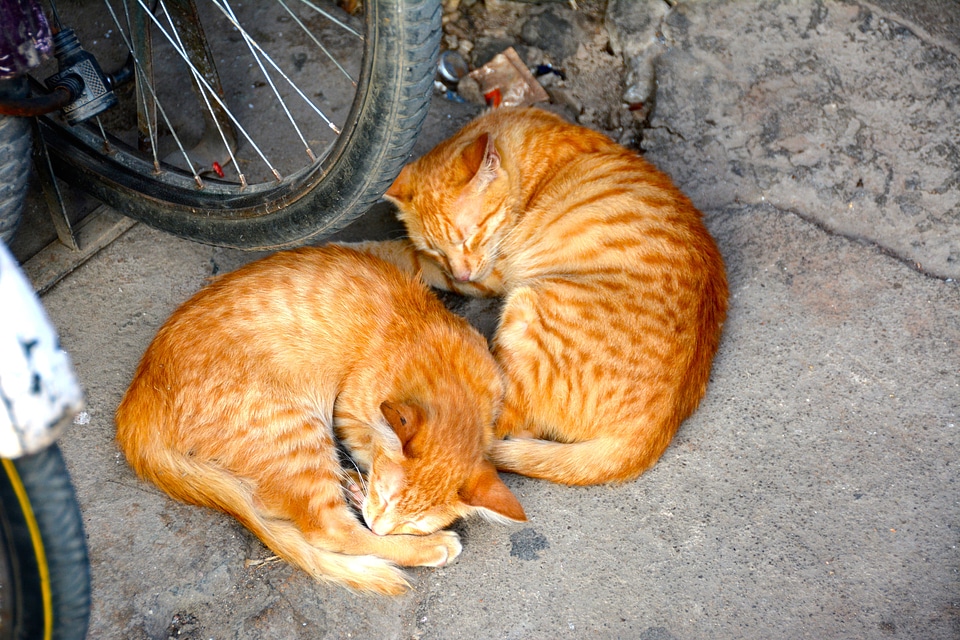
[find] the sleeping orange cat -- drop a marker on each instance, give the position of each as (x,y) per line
(238,400)
(615,292)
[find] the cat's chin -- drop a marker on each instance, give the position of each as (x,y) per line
(478,277)
(381,524)
(384,527)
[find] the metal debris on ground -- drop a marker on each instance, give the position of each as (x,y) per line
(505,81)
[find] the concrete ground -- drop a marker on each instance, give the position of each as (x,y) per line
(815,492)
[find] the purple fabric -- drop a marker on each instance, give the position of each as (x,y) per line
(25,38)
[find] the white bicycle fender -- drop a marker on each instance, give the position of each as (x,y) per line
(39,392)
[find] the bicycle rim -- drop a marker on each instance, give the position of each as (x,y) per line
(282,206)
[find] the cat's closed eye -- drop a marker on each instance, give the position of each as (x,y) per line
(436,254)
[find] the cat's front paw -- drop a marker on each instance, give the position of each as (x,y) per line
(354,487)
(445,548)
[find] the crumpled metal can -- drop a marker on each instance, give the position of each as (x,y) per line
(506,81)
(451,67)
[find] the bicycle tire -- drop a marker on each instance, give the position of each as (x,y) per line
(394,90)
(16,137)
(45,550)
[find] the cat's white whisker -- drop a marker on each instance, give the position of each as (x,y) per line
(256,562)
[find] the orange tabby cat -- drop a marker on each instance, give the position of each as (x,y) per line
(237,401)
(615,291)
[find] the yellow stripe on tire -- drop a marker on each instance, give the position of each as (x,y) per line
(37,542)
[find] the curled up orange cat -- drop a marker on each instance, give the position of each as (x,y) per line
(240,400)
(614,291)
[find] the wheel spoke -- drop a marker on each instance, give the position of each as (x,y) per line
(273,87)
(143,103)
(333,19)
(316,41)
(143,82)
(103,135)
(198,78)
(209,90)
(276,67)
(213,105)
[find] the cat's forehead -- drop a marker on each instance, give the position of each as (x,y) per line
(430,483)
(436,222)
(448,216)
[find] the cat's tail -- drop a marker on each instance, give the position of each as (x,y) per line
(595,461)
(208,485)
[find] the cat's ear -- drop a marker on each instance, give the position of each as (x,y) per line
(404,419)
(482,161)
(487,493)
(401,191)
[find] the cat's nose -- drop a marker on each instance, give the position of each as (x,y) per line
(460,268)
(461,272)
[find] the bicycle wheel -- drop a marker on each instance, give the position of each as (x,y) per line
(15,141)
(45,581)
(258,204)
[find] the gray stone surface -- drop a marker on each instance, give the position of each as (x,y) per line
(635,33)
(815,492)
(634,24)
(553,34)
(835,111)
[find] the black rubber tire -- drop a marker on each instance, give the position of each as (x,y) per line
(45,551)
(395,85)
(15,158)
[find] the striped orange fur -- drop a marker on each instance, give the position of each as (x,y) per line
(237,402)
(615,293)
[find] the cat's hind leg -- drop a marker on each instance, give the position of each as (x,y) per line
(512,421)
(356,572)
(519,352)
(553,418)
